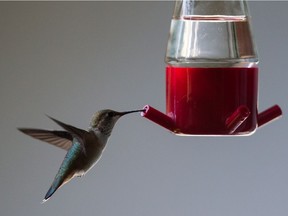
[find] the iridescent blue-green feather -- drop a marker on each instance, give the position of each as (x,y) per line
(67,168)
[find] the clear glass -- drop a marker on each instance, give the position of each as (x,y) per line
(211,33)
(210,8)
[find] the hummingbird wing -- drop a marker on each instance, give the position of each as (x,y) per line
(79,133)
(61,139)
(75,132)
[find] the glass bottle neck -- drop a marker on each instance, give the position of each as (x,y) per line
(211,33)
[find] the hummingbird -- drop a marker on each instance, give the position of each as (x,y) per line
(84,147)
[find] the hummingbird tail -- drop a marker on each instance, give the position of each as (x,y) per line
(67,170)
(58,182)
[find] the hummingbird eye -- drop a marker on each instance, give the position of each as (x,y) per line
(110,114)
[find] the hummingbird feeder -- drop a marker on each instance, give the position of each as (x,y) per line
(211,72)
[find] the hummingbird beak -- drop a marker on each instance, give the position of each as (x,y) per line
(127,112)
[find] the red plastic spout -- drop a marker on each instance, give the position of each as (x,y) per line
(159,118)
(236,119)
(269,115)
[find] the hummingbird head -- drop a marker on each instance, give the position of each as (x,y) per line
(104,120)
